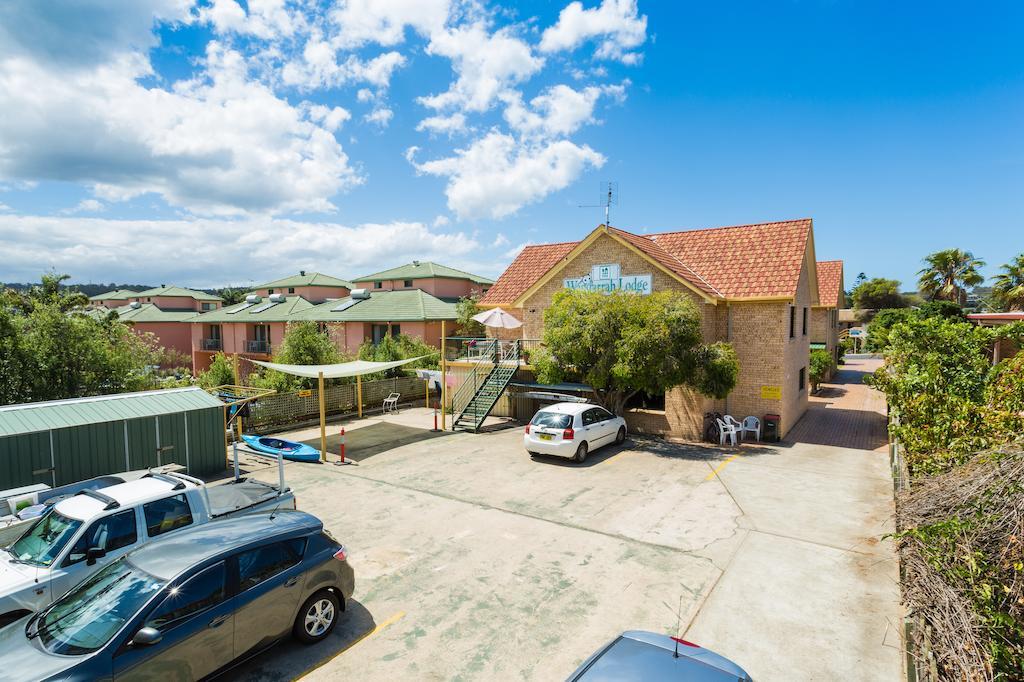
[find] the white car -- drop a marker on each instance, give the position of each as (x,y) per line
(572,430)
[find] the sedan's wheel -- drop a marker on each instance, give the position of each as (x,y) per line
(620,437)
(317,617)
(581,452)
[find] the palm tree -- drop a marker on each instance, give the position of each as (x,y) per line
(948,274)
(1009,284)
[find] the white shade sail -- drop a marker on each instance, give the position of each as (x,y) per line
(496,317)
(343,369)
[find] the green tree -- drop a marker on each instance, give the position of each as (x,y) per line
(303,344)
(947,273)
(882,323)
(401,347)
(220,373)
(877,294)
(821,364)
(232,295)
(52,349)
(465,309)
(621,344)
(1009,284)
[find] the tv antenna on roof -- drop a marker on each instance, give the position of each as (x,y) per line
(608,197)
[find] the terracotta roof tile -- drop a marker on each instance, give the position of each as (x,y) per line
(529,266)
(830,276)
(744,261)
(741,261)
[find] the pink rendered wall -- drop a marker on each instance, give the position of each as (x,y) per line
(175,302)
(311,294)
(173,335)
(442,287)
(114,302)
(355,334)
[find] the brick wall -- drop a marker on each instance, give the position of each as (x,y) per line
(796,355)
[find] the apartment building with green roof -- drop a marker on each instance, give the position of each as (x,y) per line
(435,279)
(315,287)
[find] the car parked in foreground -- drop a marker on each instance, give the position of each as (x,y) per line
(639,655)
(189,606)
(79,535)
(572,430)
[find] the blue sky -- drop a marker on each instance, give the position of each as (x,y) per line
(221,142)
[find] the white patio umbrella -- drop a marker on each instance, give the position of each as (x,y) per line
(496,317)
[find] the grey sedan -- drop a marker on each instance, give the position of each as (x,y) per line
(649,657)
(189,606)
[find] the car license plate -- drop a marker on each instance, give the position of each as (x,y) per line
(545,436)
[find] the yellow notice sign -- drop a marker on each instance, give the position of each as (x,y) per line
(308,393)
(771,392)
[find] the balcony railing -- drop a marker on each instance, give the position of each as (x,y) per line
(257,347)
(213,344)
(466,349)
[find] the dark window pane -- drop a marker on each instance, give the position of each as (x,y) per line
(196,594)
(407,283)
(109,534)
(167,514)
(261,563)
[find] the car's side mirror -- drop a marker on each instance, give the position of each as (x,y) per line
(147,637)
(94,553)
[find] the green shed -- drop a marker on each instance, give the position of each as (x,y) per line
(62,441)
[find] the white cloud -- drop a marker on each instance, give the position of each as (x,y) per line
(331,118)
(165,250)
(499,241)
(441,221)
(486,64)
(496,176)
(5,207)
(86,206)
(266,19)
(319,66)
(381,116)
(558,111)
(615,23)
(364,95)
(456,123)
(219,143)
(384,21)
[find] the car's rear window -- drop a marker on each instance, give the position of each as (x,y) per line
(554,420)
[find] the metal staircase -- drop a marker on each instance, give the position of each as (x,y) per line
(475,399)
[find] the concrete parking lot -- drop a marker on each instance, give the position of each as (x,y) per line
(474,562)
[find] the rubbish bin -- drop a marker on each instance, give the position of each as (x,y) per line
(771,428)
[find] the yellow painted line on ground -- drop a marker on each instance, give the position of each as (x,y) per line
(370,633)
(721,466)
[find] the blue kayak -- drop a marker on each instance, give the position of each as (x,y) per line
(277,447)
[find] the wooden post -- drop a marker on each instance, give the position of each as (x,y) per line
(234,364)
(323,419)
(359,395)
(444,379)
(426,393)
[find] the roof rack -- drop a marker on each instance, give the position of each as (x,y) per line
(176,484)
(108,501)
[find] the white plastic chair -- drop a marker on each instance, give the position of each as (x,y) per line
(391,403)
(752,425)
(726,430)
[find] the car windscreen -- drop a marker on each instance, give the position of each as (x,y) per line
(85,619)
(45,538)
(554,420)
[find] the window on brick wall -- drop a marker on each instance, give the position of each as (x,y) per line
(645,401)
(802,380)
(805,321)
(792,321)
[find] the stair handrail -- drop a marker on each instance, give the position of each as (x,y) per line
(464,394)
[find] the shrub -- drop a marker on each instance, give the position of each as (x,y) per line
(821,366)
(220,372)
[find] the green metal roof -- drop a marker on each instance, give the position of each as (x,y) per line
(60,414)
(116,294)
(409,305)
(177,291)
(306,279)
(423,270)
(257,312)
(147,312)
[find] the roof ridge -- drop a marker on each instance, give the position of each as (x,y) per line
(726,227)
(673,257)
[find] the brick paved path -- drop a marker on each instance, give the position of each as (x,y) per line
(846,412)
